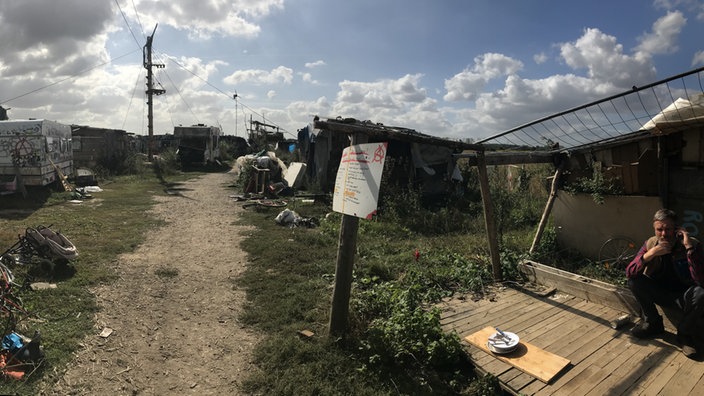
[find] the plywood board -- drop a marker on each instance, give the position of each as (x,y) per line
(528,358)
(579,286)
(294,174)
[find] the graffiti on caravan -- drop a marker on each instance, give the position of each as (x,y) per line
(35,148)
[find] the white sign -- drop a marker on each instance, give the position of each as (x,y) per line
(358,179)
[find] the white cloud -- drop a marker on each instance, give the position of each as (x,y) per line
(203,19)
(278,75)
(540,58)
(691,6)
(520,100)
(605,61)
(52,38)
(384,100)
(470,82)
(663,38)
(187,73)
(307,77)
(698,59)
(406,89)
(318,63)
(302,112)
(47,42)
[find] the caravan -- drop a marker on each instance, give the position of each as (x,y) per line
(34,153)
(197,144)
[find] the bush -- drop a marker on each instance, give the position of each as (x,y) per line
(403,338)
(167,163)
(597,186)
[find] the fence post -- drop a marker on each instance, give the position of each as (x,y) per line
(489,217)
(347,247)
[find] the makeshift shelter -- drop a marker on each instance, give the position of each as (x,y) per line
(100,146)
(415,160)
(683,114)
(367,132)
(34,152)
(648,140)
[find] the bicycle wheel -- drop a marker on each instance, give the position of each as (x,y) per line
(273,203)
(617,252)
(265,203)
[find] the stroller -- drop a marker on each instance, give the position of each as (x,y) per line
(42,242)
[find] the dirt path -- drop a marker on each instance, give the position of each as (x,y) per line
(173,312)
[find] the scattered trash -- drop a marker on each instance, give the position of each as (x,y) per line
(91,189)
(287,216)
(106,332)
(85,177)
(42,286)
(306,333)
(44,243)
(20,355)
(292,219)
(620,321)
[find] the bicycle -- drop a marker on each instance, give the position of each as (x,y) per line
(266,203)
(617,252)
(11,308)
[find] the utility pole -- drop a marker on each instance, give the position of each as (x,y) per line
(235,98)
(151,91)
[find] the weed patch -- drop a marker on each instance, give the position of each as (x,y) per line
(166,273)
(395,345)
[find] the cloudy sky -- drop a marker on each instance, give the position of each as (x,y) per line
(450,68)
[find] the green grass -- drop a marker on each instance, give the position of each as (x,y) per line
(112,223)
(395,344)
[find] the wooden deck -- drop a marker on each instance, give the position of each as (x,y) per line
(603,361)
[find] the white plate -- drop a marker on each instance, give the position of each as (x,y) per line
(500,351)
(501,344)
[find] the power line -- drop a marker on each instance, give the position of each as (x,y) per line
(67,78)
(178,91)
(221,91)
(139,22)
(179,65)
(128,25)
(129,105)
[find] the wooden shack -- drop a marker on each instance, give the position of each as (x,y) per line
(100,146)
(647,143)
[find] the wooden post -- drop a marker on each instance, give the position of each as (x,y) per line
(548,207)
(347,246)
(489,217)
